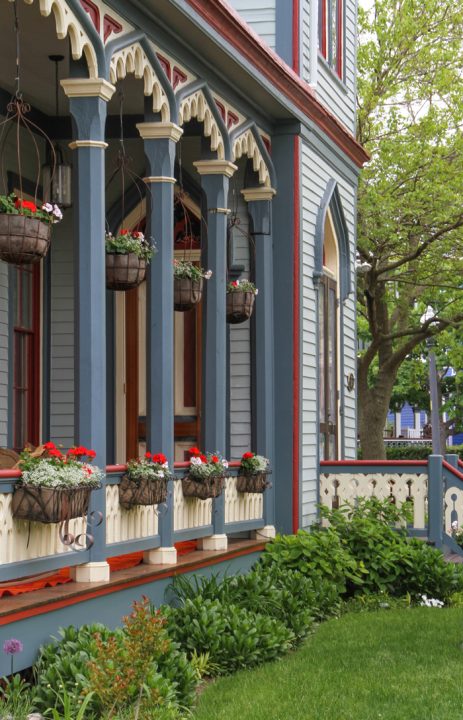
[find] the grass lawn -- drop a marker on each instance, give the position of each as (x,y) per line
(393,665)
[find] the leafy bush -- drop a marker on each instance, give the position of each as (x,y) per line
(65,665)
(234,637)
(382,601)
(318,554)
(414,451)
(423,570)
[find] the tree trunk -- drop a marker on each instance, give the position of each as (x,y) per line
(373,406)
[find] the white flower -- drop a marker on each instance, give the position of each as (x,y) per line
(48,207)
(165,465)
(208,274)
(196,461)
(57,212)
(225,463)
(256,291)
(431,602)
(455,525)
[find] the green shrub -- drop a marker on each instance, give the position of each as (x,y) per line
(318,554)
(234,637)
(423,570)
(414,451)
(382,601)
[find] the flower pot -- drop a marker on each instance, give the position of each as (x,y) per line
(124,271)
(23,240)
(255,483)
(187,293)
(239,306)
(50,505)
(210,487)
(145,491)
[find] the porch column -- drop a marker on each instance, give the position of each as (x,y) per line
(260,212)
(87,101)
(215,176)
(159,140)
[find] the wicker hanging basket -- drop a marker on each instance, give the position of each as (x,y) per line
(187,293)
(23,240)
(145,491)
(124,271)
(50,505)
(240,305)
(210,487)
(255,483)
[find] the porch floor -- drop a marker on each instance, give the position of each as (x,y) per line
(51,598)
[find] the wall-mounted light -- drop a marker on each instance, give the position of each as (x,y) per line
(56,173)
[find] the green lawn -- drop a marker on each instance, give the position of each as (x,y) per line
(393,665)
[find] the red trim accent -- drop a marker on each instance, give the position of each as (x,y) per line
(112,469)
(234,30)
(267,144)
(296,48)
(453,470)
(373,462)
(296,341)
(221,109)
(232,119)
(339,39)
(460,463)
(93,11)
(178,77)
(108,590)
(110,25)
(322,41)
(165,65)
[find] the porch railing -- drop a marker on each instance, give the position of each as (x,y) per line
(29,548)
(433,487)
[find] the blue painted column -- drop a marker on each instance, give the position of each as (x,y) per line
(215,176)
(159,140)
(435,500)
(87,100)
(260,212)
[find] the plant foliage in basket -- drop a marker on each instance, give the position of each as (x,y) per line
(205,475)
(186,270)
(145,482)
(242,286)
(47,213)
(253,473)
(129,241)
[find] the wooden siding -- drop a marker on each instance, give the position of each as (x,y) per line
(240,350)
(316,172)
(260,15)
(338,95)
(62,334)
(4,347)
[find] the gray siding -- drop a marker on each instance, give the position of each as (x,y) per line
(4,346)
(240,350)
(62,334)
(338,96)
(316,172)
(260,15)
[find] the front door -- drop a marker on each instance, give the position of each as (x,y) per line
(328,369)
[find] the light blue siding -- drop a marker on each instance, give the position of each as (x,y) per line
(316,172)
(260,15)
(4,347)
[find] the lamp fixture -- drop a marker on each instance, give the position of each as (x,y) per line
(56,172)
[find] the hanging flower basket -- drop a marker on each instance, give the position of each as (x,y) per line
(145,482)
(127,255)
(203,489)
(50,505)
(188,284)
(187,293)
(25,229)
(54,487)
(206,476)
(240,301)
(124,272)
(253,474)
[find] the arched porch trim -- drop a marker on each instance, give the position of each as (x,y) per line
(331,200)
(196,101)
(246,140)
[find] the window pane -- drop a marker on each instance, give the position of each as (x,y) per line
(334,33)
(332,356)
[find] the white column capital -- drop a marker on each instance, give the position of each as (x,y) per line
(215,167)
(88,143)
(88,87)
(161,130)
(159,179)
(258,193)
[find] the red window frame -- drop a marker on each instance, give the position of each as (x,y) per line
(30,429)
(325,36)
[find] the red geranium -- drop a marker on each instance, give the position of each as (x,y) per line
(194,451)
(159,459)
(124,232)
(148,455)
(49,446)
(25,205)
(248,455)
(203,458)
(214,459)
(91,454)
(54,453)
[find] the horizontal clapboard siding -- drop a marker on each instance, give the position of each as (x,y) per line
(338,96)
(4,347)
(316,173)
(260,15)
(240,348)
(62,335)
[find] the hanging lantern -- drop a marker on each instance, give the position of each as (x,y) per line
(56,175)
